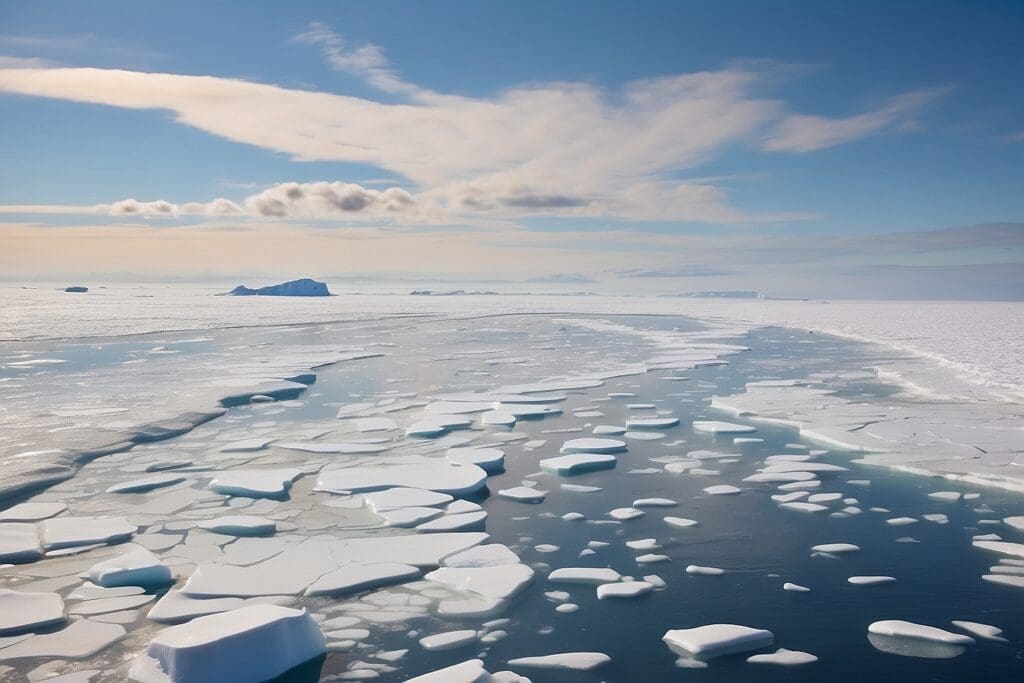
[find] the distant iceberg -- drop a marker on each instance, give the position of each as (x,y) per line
(303,287)
(76,289)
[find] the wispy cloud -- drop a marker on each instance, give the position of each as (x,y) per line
(803,133)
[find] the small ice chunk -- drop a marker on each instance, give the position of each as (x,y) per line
(721,490)
(680,522)
(801,506)
(824,497)
(566,661)
(609,430)
(795,588)
(580,488)
(433,475)
(906,629)
(546,548)
(471,671)
(572,516)
(704,571)
(624,514)
(448,640)
(652,558)
(835,548)
(240,525)
(642,544)
(585,575)
(592,445)
(567,608)
(714,640)
(137,567)
(254,643)
(945,496)
(901,521)
(1015,522)
(871,580)
(409,517)
(980,630)
(783,657)
(654,502)
(651,422)
(21,612)
(523,494)
(500,583)
(624,589)
(458,522)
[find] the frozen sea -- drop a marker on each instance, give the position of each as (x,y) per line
(152,413)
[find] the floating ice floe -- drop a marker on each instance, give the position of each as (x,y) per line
(624,589)
(501,583)
(945,496)
(651,422)
(584,575)
(1015,522)
(433,475)
(490,460)
(80,639)
(409,517)
(718,427)
(783,657)
(572,661)
(175,607)
(70,532)
(340,448)
(609,430)
(580,488)
(240,525)
(31,512)
(801,506)
(715,640)
(654,502)
(901,521)
(983,631)
(591,445)
(353,577)
(449,640)
(21,612)
(400,497)
(498,418)
(835,548)
(625,514)
(463,521)
(523,494)
(871,580)
(471,671)
(147,484)
(680,522)
(795,588)
(576,463)
(254,643)
(137,567)
(908,629)
(255,483)
(490,555)
(722,490)
(704,571)
(19,543)
(1004,580)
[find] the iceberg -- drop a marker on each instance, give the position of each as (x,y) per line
(301,287)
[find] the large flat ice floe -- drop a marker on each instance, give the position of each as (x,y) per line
(21,612)
(573,661)
(255,643)
(593,445)
(433,475)
(577,463)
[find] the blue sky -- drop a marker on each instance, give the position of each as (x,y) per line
(644,136)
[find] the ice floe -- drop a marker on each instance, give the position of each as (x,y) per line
(592,445)
(137,567)
(21,612)
(271,483)
(572,661)
(438,476)
(714,640)
(783,657)
(576,463)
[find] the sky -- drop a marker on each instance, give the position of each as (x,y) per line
(801,149)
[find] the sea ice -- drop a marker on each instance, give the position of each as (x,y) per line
(871,580)
(499,583)
(240,525)
(721,490)
(449,640)
(573,661)
(718,639)
(254,643)
(147,483)
(592,445)
(576,463)
(255,483)
(439,476)
(804,507)
(137,567)
(19,543)
(901,521)
(945,496)
(490,555)
(704,571)
(654,502)
(907,629)
(624,589)
(354,577)
(21,612)
(980,630)
(399,497)
(70,532)
(717,427)
(32,512)
(523,494)
(80,639)
(584,575)
(651,422)
(680,522)
(624,514)
(490,460)
(783,657)
(835,548)
(795,588)
(458,522)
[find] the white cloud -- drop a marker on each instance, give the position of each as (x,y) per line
(802,133)
(570,149)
